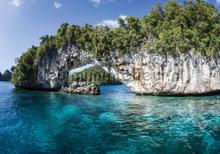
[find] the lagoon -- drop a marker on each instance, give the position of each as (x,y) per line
(116,122)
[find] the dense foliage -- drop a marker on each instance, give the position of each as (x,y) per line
(171,28)
(6,76)
(95,75)
(179,28)
(25,69)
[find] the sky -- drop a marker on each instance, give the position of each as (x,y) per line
(23,22)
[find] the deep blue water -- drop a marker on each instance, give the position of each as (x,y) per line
(116,122)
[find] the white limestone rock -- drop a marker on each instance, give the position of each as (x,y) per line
(144,72)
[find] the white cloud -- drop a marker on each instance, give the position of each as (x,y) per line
(57,5)
(17,3)
(96,3)
(112,23)
(217,1)
(123,17)
(109,23)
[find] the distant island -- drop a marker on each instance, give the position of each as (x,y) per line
(174,50)
(95,75)
(89,80)
(6,76)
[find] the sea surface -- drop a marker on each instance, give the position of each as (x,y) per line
(116,122)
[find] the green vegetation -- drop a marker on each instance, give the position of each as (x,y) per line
(25,69)
(179,28)
(169,29)
(95,75)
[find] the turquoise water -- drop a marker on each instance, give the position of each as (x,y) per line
(116,122)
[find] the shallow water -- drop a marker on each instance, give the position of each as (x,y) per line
(116,122)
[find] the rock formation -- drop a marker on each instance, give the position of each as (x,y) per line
(144,71)
(53,70)
(149,73)
(82,88)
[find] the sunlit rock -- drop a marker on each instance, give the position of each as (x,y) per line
(144,71)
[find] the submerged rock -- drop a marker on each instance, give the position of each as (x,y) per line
(82,88)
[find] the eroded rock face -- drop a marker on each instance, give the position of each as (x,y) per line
(53,70)
(82,88)
(149,73)
(144,72)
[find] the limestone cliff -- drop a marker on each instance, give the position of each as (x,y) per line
(144,72)
(54,67)
(149,73)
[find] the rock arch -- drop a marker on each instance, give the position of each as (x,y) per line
(53,69)
(144,72)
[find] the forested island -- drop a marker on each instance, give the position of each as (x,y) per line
(89,80)
(179,43)
(95,75)
(64,98)
(6,76)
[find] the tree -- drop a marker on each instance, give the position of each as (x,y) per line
(44,39)
(12,68)
(62,30)
(133,23)
(61,39)
(171,10)
(95,75)
(121,23)
(25,70)
(73,33)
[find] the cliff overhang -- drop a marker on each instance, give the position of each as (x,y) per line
(144,72)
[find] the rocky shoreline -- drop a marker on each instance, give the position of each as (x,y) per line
(144,72)
(84,88)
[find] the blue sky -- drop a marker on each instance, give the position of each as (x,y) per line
(23,22)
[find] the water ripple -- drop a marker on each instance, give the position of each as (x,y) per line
(116,122)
